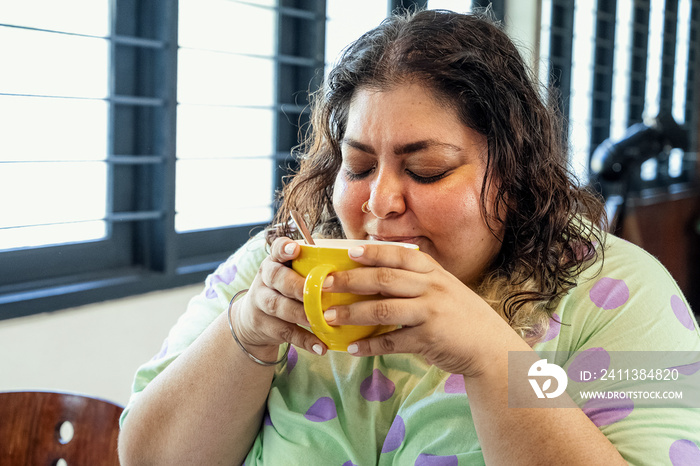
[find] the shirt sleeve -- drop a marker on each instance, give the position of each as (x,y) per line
(625,325)
(234,275)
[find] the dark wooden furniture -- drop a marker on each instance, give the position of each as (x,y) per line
(667,225)
(43,428)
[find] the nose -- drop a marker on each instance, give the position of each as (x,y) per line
(387,197)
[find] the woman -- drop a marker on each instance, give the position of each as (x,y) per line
(429,130)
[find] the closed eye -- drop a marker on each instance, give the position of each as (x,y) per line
(354,176)
(426,179)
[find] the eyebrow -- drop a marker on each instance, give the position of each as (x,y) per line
(402,149)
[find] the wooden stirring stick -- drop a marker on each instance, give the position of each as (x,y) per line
(302,227)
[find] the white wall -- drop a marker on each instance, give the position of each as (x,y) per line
(92,349)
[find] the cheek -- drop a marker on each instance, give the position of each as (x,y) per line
(340,196)
(457,202)
(347,200)
(455,209)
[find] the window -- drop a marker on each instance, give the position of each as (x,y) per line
(620,62)
(142,141)
(346,21)
(581,91)
(57,182)
(225,114)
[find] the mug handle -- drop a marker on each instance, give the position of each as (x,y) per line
(312,297)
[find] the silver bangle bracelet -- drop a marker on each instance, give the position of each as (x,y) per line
(230,325)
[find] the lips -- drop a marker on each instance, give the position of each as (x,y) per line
(396,239)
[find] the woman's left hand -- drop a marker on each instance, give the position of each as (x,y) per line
(441,318)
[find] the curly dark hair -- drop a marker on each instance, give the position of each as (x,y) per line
(550,224)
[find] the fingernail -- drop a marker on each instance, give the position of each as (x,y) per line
(352,349)
(357,251)
(289,248)
(318,349)
(328,282)
(330,315)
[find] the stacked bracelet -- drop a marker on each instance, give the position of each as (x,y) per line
(230,325)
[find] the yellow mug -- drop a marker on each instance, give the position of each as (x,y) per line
(315,262)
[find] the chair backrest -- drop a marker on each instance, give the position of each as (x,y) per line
(49,428)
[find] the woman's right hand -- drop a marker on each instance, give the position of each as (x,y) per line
(269,313)
(263,318)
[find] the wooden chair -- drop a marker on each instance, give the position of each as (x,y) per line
(49,428)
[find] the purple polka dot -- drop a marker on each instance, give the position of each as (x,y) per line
(455,384)
(606,411)
(396,435)
(163,350)
(377,387)
(554,327)
(349,463)
(228,272)
(609,293)
(592,360)
(292,358)
(687,369)
(267,420)
(322,410)
(434,460)
(682,312)
(684,453)
(225,274)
